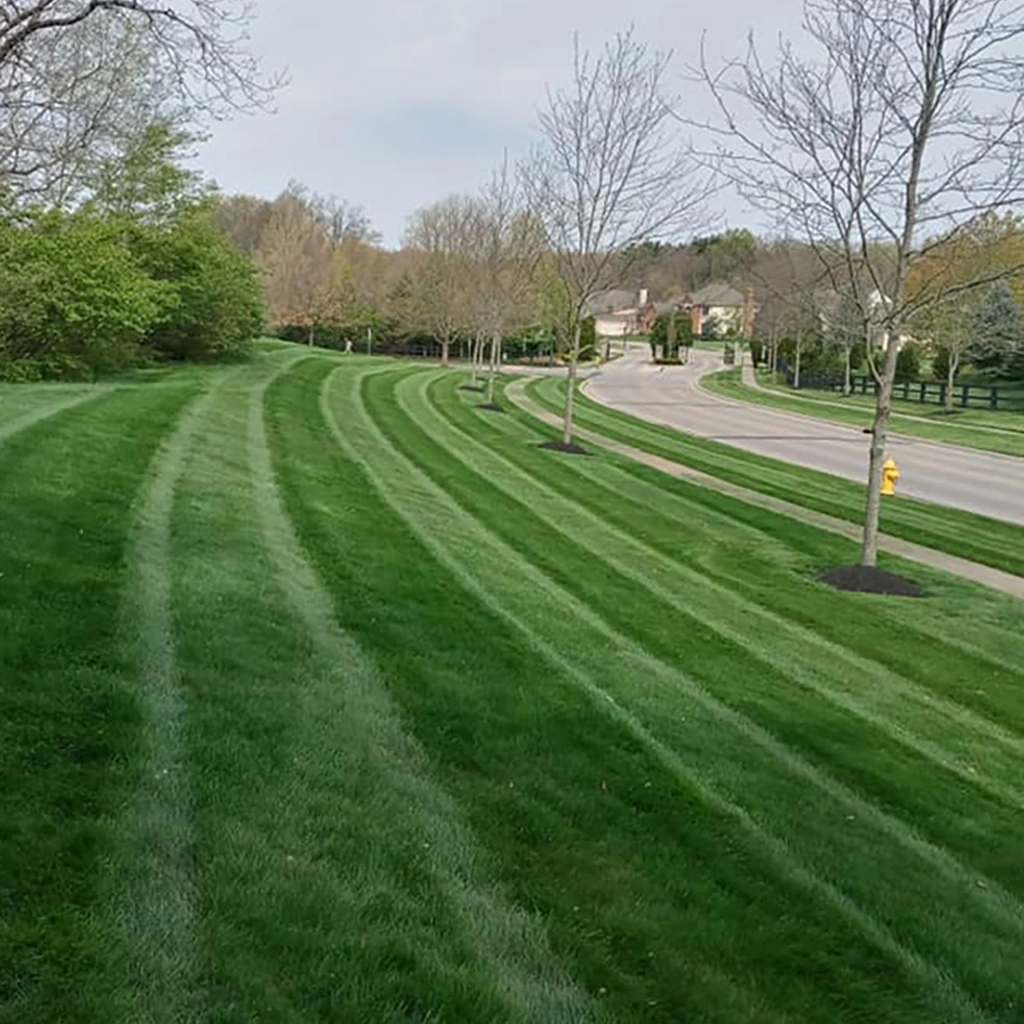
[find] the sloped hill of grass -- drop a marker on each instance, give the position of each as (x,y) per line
(327,696)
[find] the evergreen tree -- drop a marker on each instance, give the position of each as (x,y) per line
(996,331)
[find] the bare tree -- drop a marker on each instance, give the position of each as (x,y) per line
(443,237)
(512,241)
(73,100)
(345,221)
(76,76)
(243,219)
(298,266)
(791,284)
(905,126)
(609,175)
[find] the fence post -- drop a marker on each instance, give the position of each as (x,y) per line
(924,392)
(965,395)
(993,398)
(942,393)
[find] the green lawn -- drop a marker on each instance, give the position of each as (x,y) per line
(990,541)
(972,428)
(325,696)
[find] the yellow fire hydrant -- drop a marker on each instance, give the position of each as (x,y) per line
(890,474)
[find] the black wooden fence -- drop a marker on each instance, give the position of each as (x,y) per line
(1008,397)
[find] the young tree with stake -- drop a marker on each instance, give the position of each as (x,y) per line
(512,243)
(904,126)
(609,175)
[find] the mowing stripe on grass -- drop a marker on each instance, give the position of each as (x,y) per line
(473,554)
(983,890)
(156,912)
(155,917)
(971,888)
(44,412)
(961,534)
(511,942)
(730,615)
(994,650)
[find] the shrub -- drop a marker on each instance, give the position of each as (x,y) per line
(908,362)
(588,339)
(72,296)
(211,303)
(996,336)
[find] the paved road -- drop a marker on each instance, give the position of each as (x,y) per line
(964,478)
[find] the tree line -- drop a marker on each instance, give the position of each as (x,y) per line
(109,254)
(885,152)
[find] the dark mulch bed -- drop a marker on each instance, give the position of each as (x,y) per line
(561,446)
(492,406)
(478,388)
(865,579)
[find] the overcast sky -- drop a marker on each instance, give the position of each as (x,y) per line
(395,103)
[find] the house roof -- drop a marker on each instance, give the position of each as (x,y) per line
(612,300)
(718,293)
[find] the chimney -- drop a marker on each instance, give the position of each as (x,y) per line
(643,298)
(696,320)
(748,315)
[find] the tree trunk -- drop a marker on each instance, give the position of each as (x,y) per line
(847,382)
(796,368)
(495,363)
(312,335)
(879,439)
(445,343)
(570,392)
(475,354)
(954,363)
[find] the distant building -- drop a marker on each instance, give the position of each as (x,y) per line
(730,310)
(620,312)
(616,312)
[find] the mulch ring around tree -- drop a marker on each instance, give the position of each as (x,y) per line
(561,446)
(492,406)
(867,579)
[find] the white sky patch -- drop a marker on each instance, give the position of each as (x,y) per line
(395,104)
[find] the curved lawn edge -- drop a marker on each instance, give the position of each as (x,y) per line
(965,535)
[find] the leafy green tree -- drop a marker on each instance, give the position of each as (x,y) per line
(941,363)
(72,295)
(660,342)
(588,338)
(211,295)
(211,298)
(147,182)
(670,333)
(908,362)
(996,331)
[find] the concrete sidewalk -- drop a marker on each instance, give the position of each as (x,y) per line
(974,571)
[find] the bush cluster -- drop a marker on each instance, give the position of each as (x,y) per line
(86,292)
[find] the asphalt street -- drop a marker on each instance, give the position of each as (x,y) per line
(966,478)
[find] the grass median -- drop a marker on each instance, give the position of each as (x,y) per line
(978,538)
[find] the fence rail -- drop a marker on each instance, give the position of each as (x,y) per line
(928,392)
